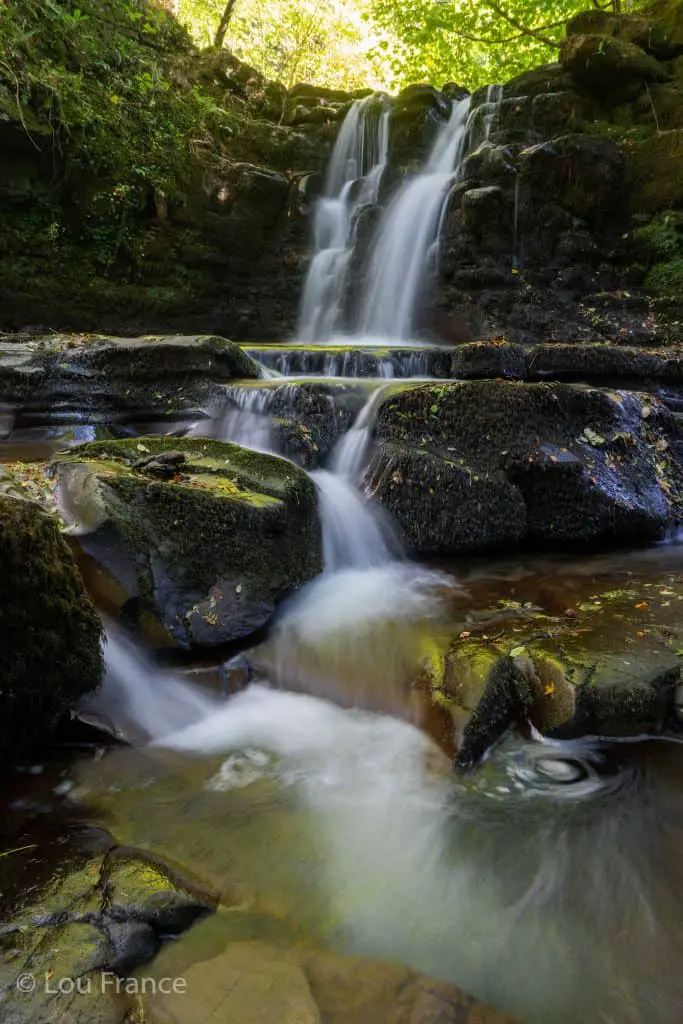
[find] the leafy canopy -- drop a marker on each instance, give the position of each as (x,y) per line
(387,43)
(473,42)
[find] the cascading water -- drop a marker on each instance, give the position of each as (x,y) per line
(246,420)
(353,177)
(350,452)
(400,256)
(137,693)
(356,533)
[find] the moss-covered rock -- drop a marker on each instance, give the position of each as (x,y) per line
(488,359)
(215,534)
(605,666)
(90,372)
(607,62)
(651,34)
(582,174)
(503,461)
(83,908)
(51,633)
(441,504)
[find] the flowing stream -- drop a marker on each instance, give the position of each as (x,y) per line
(320,801)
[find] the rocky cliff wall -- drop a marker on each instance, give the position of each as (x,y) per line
(568,223)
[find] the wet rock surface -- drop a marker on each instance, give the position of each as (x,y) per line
(208,551)
(593,655)
(51,648)
(82,916)
(548,463)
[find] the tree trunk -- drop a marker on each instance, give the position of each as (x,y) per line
(223,24)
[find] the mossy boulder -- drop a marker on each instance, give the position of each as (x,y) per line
(609,62)
(478,359)
(471,465)
(94,371)
(82,907)
(650,35)
(51,653)
(214,535)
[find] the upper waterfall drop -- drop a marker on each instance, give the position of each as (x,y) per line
(352,181)
(400,256)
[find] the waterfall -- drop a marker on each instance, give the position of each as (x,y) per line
(353,177)
(356,534)
(409,228)
(349,455)
(246,420)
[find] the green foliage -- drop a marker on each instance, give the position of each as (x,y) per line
(102,85)
(326,42)
(473,42)
(661,243)
(662,238)
(666,278)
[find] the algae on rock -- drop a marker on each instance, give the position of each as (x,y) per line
(214,541)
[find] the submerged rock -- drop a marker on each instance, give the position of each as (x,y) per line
(474,465)
(92,912)
(51,632)
(212,550)
(259,983)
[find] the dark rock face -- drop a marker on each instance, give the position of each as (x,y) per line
(99,372)
(607,62)
(505,462)
(51,654)
(214,548)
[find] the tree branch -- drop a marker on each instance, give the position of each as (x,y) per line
(222,29)
(523,29)
(511,39)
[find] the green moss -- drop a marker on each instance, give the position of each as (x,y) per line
(50,653)
(253,473)
(666,278)
(214,548)
(661,245)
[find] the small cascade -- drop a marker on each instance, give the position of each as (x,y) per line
(136,693)
(409,228)
(494,98)
(246,420)
(364,360)
(356,534)
(353,177)
(350,452)
(516,260)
